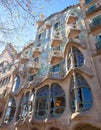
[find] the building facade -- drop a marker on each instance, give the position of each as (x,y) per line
(56,79)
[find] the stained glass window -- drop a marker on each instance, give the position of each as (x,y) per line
(42,102)
(84,94)
(57,100)
(77,56)
(10,110)
(16,83)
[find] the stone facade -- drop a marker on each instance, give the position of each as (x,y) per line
(56,79)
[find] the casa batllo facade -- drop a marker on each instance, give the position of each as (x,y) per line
(56,79)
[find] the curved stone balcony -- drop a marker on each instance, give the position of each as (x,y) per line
(73,30)
(33,67)
(55,56)
(36,51)
(56,39)
(71,18)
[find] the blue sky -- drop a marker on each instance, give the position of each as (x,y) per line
(26,31)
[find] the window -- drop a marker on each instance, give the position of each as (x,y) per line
(92,8)
(56,68)
(57,100)
(88,1)
(98,44)
(96,20)
(56,25)
(83,91)
(16,84)
(25,107)
(31,77)
(10,110)
(75,58)
(42,102)
(39,36)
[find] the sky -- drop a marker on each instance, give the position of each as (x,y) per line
(26,28)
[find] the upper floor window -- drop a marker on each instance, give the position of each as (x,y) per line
(17,83)
(81,95)
(97,20)
(75,58)
(88,1)
(93,7)
(10,110)
(56,68)
(56,25)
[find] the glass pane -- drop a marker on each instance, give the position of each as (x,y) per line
(87,97)
(56,90)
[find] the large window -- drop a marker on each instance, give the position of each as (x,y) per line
(10,110)
(88,1)
(75,58)
(42,102)
(96,20)
(57,100)
(50,99)
(26,104)
(16,84)
(81,95)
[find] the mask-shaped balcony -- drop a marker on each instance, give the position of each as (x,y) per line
(73,30)
(93,12)
(40,23)
(33,67)
(47,24)
(24,58)
(55,56)
(71,18)
(56,38)
(36,51)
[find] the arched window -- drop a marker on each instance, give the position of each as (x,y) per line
(75,58)
(10,110)
(57,100)
(42,102)
(83,93)
(16,84)
(20,108)
(32,99)
(25,107)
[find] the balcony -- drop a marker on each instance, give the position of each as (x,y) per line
(40,23)
(36,51)
(56,75)
(33,67)
(94,11)
(24,58)
(47,24)
(95,28)
(71,18)
(73,30)
(74,40)
(56,39)
(55,56)
(98,47)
